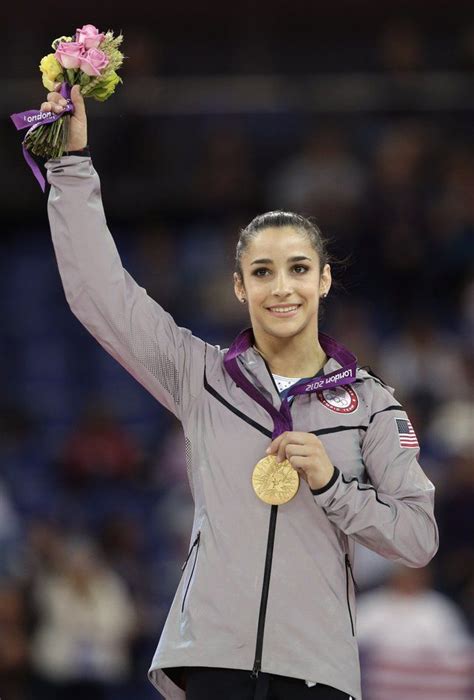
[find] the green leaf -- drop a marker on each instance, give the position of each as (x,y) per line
(71,75)
(84,79)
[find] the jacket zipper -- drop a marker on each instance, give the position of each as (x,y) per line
(349,568)
(195,544)
(257,664)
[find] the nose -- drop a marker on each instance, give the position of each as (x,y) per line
(282,285)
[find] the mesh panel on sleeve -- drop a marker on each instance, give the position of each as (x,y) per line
(158,364)
(187,448)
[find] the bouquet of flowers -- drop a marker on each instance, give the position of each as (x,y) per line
(89,59)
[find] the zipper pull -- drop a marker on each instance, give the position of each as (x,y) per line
(255,671)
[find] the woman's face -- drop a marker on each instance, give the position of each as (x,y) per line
(281,282)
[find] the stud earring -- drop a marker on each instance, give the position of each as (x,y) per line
(324,295)
(243,300)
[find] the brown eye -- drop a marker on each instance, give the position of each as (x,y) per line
(260,271)
(300,269)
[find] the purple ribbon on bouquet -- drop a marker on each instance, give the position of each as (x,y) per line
(33,118)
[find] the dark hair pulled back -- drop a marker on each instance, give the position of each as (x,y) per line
(280,219)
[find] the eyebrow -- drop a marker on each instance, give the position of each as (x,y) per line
(266,261)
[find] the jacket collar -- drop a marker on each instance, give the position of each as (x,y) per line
(258,372)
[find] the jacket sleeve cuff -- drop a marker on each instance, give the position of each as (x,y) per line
(83,152)
(331,482)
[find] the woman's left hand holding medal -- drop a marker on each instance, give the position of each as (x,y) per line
(306,454)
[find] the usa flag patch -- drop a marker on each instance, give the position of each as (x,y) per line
(406,434)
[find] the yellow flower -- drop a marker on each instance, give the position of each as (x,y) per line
(49,84)
(50,67)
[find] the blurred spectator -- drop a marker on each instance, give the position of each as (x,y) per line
(24,460)
(393,238)
(454,511)
(99,450)
(421,359)
(466,49)
(452,226)
(86,622)
(122,542)
(14,644)
(398,160)
(350,320)
(157,266)
(10,533)
(324,180)
(45,549)
(451,428)
(467,317)
(224,179)
(414,641)
(144,53)
(401,47)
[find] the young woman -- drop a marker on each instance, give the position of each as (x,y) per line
(294,454)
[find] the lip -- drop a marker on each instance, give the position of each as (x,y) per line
(283,314)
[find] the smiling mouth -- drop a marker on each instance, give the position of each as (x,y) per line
(288,310)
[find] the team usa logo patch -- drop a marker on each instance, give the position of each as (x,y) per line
(341,399)
(406,433)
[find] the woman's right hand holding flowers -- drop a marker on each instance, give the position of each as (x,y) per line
(77,137)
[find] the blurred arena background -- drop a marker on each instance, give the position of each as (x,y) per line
(360,114)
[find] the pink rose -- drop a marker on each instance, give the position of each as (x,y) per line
(94,61)
(69,54)
(89,36)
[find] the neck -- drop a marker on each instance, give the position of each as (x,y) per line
(291,357)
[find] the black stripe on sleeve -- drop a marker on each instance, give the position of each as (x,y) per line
(389,408)
(337,429)
(364,487)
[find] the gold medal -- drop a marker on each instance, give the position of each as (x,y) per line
(275,482)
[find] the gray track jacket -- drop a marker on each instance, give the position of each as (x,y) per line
(264,587)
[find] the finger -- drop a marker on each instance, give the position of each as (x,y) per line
(299,443)
(298,462)
(299,438)
(281,452)
(273,447)
(51,107)
(78,102)
(293,450)
(56,98)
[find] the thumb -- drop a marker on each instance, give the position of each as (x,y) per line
(78,102)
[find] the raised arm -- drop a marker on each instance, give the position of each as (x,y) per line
(132,327)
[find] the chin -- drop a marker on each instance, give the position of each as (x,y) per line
(283,330)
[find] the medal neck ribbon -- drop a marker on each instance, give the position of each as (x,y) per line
(282,419)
